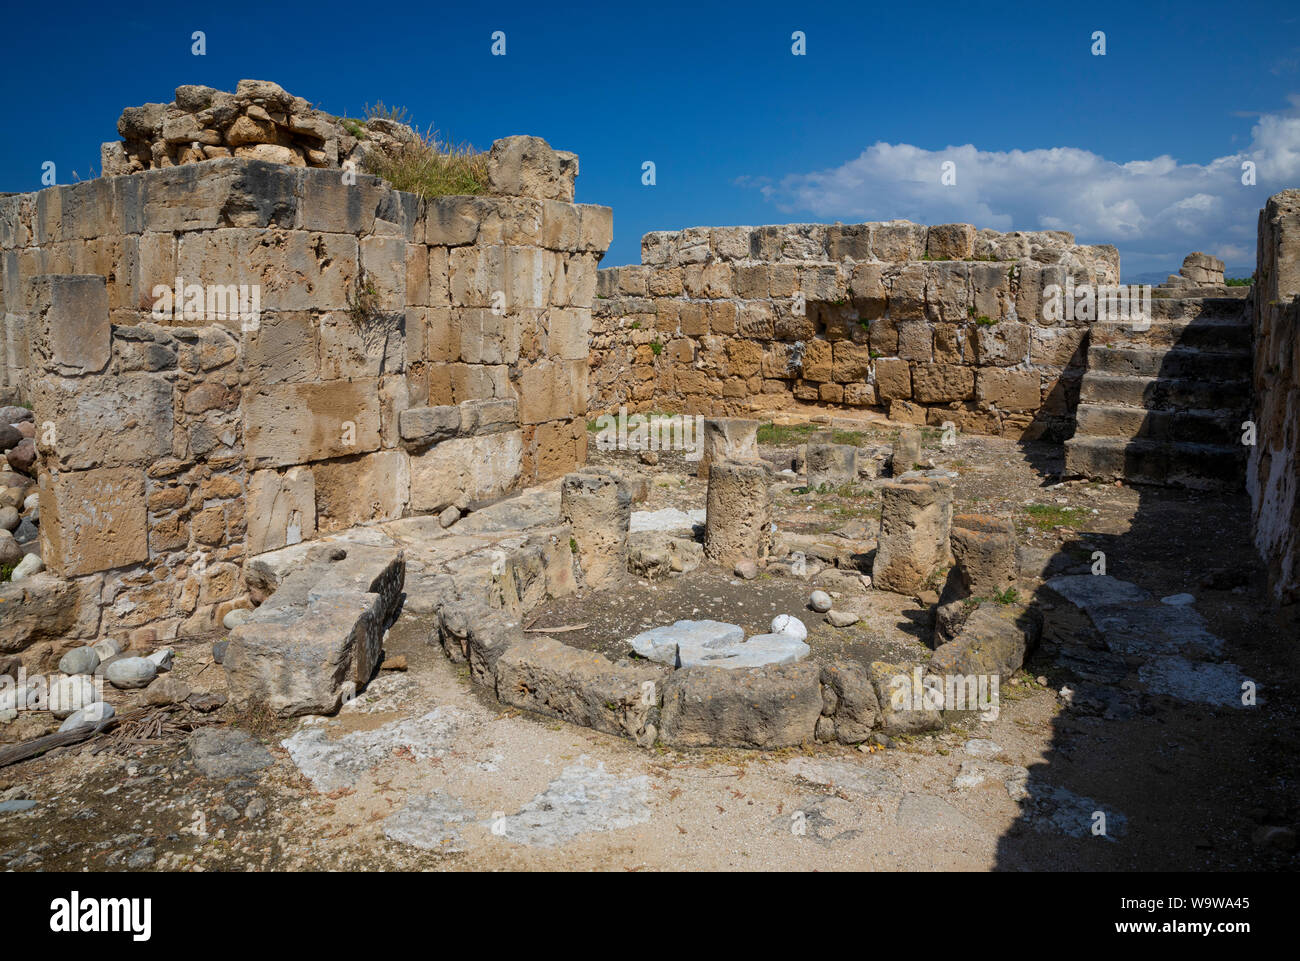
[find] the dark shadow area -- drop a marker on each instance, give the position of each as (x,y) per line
(1153,736)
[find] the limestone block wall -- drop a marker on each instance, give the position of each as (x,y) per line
(405,356)
(1273,471)
(929,323)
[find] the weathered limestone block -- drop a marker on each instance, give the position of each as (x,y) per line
(655,555)
(287,424)
(950,242)
(853,705)
(357,490)
(43,607)
(281,509)
(105,420)
(528,167)
(319,637)
(766,707)
(985,551)
(542,675)
(738,516)
(831,464)
(907,451)
(597,506)
(915,522)
(423,426)
(93,520)
(464,470)
(904,706)
(727,438)
(68,329)
(993,640)
(1201,268)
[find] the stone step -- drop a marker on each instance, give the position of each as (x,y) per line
(1200,333)
(1142,461)
(1164,393)
(1177,308)
(1214,366)
(1222,428)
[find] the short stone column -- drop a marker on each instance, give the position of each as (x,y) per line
(915,522)
(831,464)
(727,438)
(984,548)
(738,516)
(597,506)
(907,451)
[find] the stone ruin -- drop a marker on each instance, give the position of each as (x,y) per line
(399,428)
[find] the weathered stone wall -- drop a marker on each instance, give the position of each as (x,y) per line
(408,356)
(1273,474)
(929,323)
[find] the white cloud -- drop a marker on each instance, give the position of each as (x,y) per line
(1155,211)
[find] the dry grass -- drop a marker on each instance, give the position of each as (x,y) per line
(431,167)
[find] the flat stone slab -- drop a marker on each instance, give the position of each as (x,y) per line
(1154,630)
(668,519)
(428,822)
(715,644)
(1206,683)
(331,764)
(1059,810)
(1091,590)
(580,801)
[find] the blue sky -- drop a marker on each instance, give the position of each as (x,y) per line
(1141,147)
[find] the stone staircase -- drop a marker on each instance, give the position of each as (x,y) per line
(1166,405)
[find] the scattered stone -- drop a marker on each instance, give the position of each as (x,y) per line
(789,625)
(167,690)
(142,858)
(131,672)
(91,714)
(29,565)
(449,516)
(746,570)
(108,647)
(68,695)
(648,457)
(219,650)
(395,663)
(234,618)
(16,807)
(9,518)
(820,602)
(79,660)
(162,659)
(654,555)
(842,618)
(256,808)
